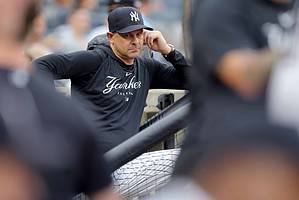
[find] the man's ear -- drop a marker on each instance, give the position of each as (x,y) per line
(109,36)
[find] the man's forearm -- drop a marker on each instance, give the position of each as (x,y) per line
(52,66)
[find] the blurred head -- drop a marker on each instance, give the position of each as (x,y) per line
(113,4)
(17,17)
(63,2)
(39,27)
(147,7)
(126,32)
(87,4)
(80,20)
(251,167)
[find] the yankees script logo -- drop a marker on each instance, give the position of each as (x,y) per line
(114,84)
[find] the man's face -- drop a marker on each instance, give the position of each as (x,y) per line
(127,45)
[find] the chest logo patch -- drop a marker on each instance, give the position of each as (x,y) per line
(115,83)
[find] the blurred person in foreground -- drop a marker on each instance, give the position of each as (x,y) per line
(43,128)
(232,63)
(18,180)
(114,78)
(260,163)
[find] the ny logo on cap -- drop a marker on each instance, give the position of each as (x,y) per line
(134,16)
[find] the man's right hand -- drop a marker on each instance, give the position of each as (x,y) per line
(156,42)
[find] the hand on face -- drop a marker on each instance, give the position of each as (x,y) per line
(156,41)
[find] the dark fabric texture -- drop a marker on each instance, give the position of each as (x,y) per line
(49,132)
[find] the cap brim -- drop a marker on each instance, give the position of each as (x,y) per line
(134,28)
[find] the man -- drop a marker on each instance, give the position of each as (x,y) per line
(114,78)
(41,127)
(232,62)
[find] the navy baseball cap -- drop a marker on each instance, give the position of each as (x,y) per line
(125,20)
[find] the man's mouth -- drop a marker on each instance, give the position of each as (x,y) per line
(134,49)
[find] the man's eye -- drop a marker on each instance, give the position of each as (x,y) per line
(124,35)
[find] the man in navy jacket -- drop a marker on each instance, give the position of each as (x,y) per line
(114,78)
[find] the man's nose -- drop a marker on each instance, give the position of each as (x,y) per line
(134,38)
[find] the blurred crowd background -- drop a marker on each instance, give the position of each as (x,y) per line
(67,25)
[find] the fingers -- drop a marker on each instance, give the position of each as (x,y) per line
(150,37)
(145,35)
(147,38)
(150,40)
